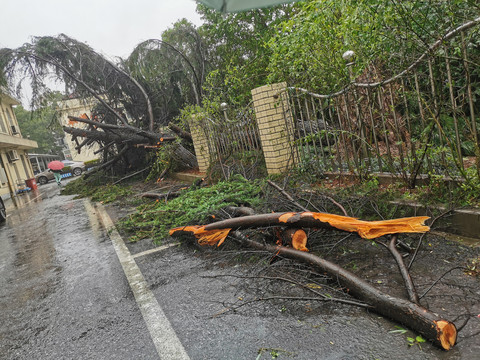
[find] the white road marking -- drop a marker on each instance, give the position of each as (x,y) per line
(157,249)
(167,343)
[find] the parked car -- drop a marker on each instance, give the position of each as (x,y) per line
(76,168)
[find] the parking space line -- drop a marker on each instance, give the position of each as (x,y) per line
(167,343)
(152,251)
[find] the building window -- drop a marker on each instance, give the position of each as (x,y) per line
(2,120)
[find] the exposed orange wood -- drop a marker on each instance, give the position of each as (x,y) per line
(447,333)
(373,229)
(205,237)
(210,234)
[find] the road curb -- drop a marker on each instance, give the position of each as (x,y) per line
(167,343)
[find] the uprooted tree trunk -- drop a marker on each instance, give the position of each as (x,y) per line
(441,332)
(123,94)
(125,137)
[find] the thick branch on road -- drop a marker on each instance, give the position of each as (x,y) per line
(366,229)
(441,332)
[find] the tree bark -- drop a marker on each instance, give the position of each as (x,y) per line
(182,133)
(125,134)
(105,136)
(441,332)
(148,135)
(366,229)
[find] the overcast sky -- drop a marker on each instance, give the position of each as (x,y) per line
(112,27)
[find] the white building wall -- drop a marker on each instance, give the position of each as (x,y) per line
(77,107)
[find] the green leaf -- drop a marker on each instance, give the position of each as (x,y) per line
(420,339)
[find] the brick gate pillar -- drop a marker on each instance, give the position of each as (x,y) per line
(275,125)
(200,143)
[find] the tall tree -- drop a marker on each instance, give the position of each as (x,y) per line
(307,48)
(237,50)
(123,120)
(172,69)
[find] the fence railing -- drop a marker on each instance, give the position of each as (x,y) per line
(233,140)
(424,120)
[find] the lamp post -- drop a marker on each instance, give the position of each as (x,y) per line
(349,57)
(224,107)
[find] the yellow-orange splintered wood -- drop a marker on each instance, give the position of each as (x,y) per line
(367,229)
(447,333)
(299,240)
(205,237)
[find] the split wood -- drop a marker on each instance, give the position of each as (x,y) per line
(441,332)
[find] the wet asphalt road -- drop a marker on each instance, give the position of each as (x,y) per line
(64,295)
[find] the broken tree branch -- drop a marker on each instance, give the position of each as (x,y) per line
(407,279)
(217,232)
(126,128)
(284,193)
(180,132)
(130,175)
(108,163)
(440,278)
(423,235)
(441,332)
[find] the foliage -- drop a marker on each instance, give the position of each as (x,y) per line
(41,125)
(104,193)
(83,71)
(164,160)
(90,163)
(417,340)
(171,69)
(473,267)
(307,49)
(154,219)
(237,50)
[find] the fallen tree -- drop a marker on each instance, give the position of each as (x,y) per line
(441,332)
(433,327)
(125,111)
(124,137)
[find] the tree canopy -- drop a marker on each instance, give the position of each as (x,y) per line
(229,55)
(42,125)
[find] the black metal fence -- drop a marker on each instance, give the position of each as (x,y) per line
(234,142)
(423,121)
